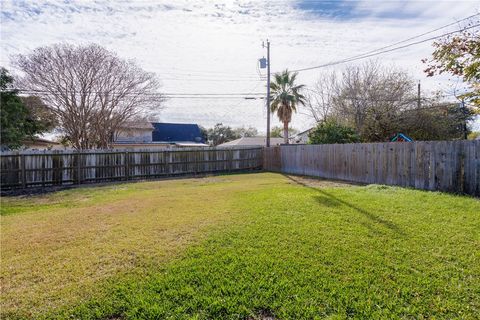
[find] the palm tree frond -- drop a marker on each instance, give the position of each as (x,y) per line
(286,95)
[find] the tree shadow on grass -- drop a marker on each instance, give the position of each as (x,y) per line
(329,200)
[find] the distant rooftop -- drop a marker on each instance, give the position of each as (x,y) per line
(176,132)
(137,124)
(252,141)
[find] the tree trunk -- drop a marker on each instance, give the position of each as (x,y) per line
(285,132)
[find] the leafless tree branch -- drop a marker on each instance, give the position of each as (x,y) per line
(90,89)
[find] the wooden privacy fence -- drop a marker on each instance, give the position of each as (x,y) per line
(45,168)
(452,166)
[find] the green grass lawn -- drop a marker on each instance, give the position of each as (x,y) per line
(251,246)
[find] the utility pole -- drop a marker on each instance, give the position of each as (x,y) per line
(266,63)
(268,93)
(419,103)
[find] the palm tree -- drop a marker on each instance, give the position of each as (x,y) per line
(285,98)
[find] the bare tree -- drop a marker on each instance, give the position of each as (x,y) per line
(320,99)
(368,98)
(90,89)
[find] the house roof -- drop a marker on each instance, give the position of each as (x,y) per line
(303,132)
(252,141)
(37,140)
(177,132)
(137,124)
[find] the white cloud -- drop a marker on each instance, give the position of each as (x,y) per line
(202,46)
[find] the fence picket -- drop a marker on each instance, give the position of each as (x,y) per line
(452,166)
(44,168)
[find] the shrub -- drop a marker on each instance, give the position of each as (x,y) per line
(332,132)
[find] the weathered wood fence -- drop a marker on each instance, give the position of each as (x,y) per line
(452,166)
(46,168)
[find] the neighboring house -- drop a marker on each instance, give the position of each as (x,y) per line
(252,141)
(301,138)
(41,144)
(135,132)
(144,134)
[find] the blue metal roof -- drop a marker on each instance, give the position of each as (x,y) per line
(176,132)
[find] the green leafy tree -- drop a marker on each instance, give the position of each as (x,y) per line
(245,132)
(330,131)
(44,116)
(436,121)
(286,96)
(473,135)
(220,134)
(17,121)
(204,133)
(459,55)
(277,131)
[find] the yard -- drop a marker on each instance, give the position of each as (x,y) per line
(246,246)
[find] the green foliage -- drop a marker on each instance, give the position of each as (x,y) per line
(221,133)
(459,55)
(277,131)
(286,96)
(245,132)
(39,111)
(17,121)
(438,121)
(473,135)
(379,101)
(204,133)
(330,131)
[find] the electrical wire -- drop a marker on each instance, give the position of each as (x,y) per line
(419,36)
(365,55)
(33,91)
(213,80)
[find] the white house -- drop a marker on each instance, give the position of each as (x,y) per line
(301,138)
(135,132)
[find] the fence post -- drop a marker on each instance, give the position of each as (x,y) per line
(230,160)
(79,168)
(127,166)
(195,157)
(23,171)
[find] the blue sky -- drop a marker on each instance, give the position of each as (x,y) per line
(212,46)
(349,10)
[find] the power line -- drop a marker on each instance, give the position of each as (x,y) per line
(208,76)
(214,80)
(241,102)
(191,96)
(420,35)
(219,98)
(217,94)
(366,55)
(33,91)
